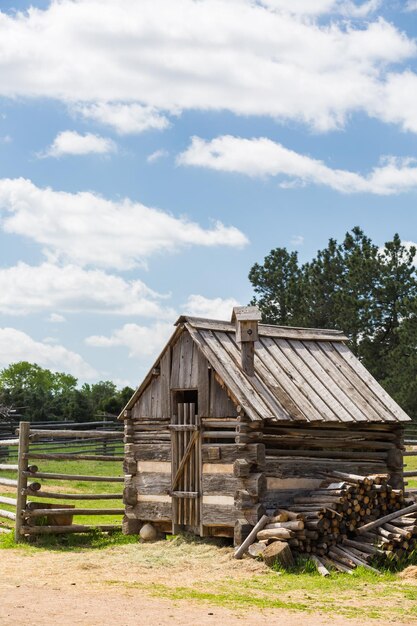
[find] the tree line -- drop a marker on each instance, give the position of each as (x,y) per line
(369,292)
(38,395)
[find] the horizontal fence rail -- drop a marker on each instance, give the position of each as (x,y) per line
(8,516)
(410,443)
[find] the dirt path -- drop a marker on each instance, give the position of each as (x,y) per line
(114,587)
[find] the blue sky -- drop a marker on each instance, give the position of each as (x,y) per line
(151,152)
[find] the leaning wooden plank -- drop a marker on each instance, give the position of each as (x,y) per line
(57,512)
(387,518)
(9,442)
(101,479)
(74,457)
(322,570)
(74,496)
(184,460)
(73,528)
(240,551)
(8,467)
(7,514)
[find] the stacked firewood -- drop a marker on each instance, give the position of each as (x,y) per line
(338,524)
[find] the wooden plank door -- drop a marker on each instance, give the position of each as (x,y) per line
(186,468)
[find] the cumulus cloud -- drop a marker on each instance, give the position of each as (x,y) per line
(158,154)
(148,341)
(85,228)
(297,240)
(55,318)
(141,341)
(261,157)
(212,308)
(26,289)
(125,119)
(69,142)
(323,7)
(130,64)
(397,101)
(16,345)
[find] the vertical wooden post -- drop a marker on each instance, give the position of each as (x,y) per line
(22,481)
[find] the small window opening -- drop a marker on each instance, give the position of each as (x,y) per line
(188,396)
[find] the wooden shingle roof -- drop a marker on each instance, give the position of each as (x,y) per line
(301,375)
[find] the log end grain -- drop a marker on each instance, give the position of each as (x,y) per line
(278,553)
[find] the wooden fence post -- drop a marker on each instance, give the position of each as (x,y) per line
(22,481)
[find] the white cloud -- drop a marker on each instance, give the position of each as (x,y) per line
(141,341)
(297,240)
(6,139)
(397,101)
(411,5)
(16,345)
(211,308)
(322,7)
(85,228)
(55,318)
(262,157)
(130,63)
(123,118)
(50,340)
(69,142)
(148,341)
(26,289)
(158,154)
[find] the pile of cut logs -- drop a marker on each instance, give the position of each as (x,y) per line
(341,524)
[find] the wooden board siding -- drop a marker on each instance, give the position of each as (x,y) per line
(184,368)
(149,404)
(220,403)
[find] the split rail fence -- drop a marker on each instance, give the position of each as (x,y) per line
(26,517)
(410,442)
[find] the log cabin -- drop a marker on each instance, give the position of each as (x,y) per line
(236,418)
